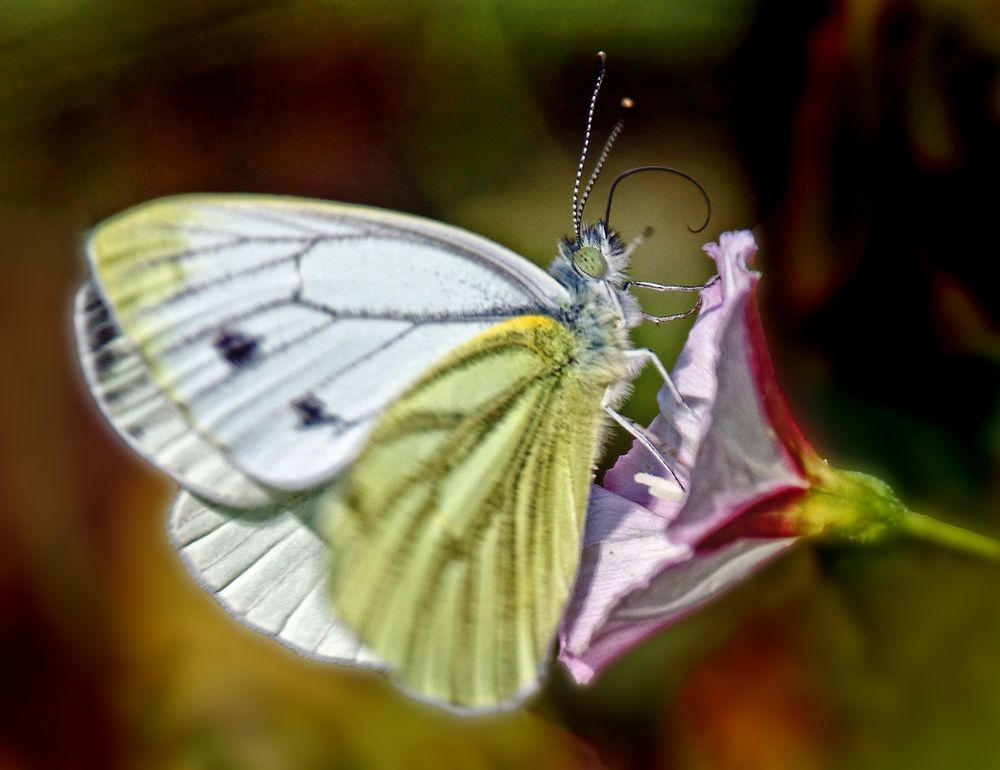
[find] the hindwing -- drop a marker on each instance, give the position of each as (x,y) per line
(455,535)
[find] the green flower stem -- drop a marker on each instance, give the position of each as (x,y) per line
(931,530)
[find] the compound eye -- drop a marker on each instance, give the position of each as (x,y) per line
(590,261)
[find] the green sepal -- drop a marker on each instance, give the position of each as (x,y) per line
(853,506)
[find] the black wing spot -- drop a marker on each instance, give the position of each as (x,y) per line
(237,348)
(312,411)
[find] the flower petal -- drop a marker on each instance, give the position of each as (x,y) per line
(624,545)
(745,455)
(687,584)
(735,447)
(724,320)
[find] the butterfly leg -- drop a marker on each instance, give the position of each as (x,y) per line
(640,434)
(660,319)
(643,357)
(672,286)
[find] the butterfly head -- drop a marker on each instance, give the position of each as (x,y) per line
(592,267)
(592,264)
(597,255)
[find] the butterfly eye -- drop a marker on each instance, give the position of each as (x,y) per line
(590,261)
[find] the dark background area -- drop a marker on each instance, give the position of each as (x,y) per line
(860,140)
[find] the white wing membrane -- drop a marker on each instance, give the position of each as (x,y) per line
(150,422)
(275,330)
(269,573)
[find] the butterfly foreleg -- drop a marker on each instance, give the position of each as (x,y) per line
(645,438)
(648,440)
(671,286)
(659,319)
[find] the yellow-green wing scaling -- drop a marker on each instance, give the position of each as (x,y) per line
(456,534)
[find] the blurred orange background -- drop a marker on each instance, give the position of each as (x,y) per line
(861,141)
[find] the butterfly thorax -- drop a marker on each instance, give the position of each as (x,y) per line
(600,311)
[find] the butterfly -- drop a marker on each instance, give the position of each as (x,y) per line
(384,428)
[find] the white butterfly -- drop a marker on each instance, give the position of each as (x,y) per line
(348,392)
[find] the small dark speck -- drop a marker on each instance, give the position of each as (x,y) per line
(311,411)
(237,348)
(136,431)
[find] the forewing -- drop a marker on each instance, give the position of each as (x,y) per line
(278,329)
(455,536)
(269,571)
(149,420)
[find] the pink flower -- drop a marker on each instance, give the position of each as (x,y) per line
(754,486)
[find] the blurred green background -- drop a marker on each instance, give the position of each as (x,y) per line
(860,139)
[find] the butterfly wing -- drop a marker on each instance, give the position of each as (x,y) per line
(247,344)
(154,425)
(455,536)
(268,569)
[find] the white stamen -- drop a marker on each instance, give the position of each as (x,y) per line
(664,489)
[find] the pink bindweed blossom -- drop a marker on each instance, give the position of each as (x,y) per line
(753,486)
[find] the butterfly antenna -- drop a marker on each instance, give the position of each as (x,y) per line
(625,106)
(665,170)
(602,59)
